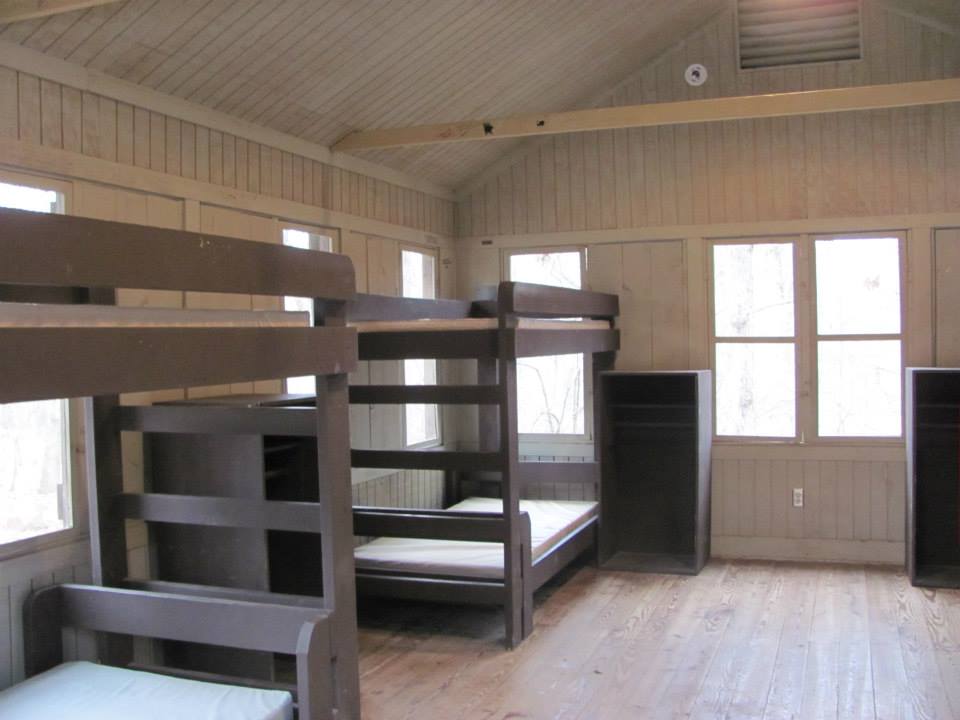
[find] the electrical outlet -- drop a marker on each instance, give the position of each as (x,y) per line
(798,497)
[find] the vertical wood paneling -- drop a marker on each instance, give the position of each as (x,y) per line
(43,112)
(833,165)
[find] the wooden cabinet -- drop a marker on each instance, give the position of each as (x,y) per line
(933,476)
(657,431)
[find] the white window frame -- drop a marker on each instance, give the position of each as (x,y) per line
(331,232)
(74,442)
(548,443)
(435,254)
(805,338)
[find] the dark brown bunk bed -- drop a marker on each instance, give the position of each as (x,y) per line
(75,345)
(526,320)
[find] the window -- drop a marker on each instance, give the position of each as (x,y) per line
(858,336)
(305,240)
(35,472)
(419,280)
(550,390)
(844,336)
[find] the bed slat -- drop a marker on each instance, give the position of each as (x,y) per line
(426,459)
(213,420)
(222,512)
(428,394)
(437,525)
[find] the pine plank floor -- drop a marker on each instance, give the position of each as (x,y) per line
(741,640)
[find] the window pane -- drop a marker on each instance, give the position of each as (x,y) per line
(753,290)
(550,395)
(20,197)
(419,274)
(858,286)
(422,421)
(561,269)
(303,240)
(34,475)
(756,389)
(859,388)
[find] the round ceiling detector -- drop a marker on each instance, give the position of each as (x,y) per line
(695,75)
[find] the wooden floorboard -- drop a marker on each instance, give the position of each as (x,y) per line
(741,640)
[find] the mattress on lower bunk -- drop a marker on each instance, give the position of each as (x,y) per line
(437,324)
(86,691)
(550,522)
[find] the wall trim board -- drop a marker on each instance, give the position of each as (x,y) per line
(27,157)
(874,552)
(22,568)
(30,61)
(877,452)
(720,231)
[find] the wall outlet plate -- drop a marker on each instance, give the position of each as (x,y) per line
(798,497)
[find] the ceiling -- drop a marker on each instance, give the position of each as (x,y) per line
(318,69)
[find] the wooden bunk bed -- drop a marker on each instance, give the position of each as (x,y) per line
(480,550)
(95,351)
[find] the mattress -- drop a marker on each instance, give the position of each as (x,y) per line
(86,691)
(550,522)
(434,325)
(40,315)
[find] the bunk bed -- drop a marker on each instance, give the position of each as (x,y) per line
(96,351)
(482,550)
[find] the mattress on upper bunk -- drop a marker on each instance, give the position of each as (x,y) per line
(436,324)
(86,691)
(20,315)
(550,522)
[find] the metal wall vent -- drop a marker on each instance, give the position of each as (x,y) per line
(793,32)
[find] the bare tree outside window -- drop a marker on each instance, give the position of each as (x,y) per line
(550,390)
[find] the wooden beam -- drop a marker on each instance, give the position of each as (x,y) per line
(941,15)
(810,102)
(17,10)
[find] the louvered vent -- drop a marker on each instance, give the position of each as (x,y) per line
(793,32)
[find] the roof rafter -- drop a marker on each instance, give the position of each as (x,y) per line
(809,102)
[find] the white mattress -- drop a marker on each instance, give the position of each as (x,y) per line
(86,691)
(426,325)
(550,522)
(40,315)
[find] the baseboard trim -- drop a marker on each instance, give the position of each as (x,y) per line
(880,552)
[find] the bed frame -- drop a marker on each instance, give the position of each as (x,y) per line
(497,462)
(53,258)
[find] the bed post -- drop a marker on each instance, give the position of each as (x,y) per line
(602,362)
(339,583)
(104,479)
(518,612)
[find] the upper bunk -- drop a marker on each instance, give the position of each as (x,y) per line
(525,320)
(52,351)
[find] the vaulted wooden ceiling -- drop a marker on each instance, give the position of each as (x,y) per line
(319,69)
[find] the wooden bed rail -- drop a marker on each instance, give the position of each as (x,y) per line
(432,524)
(214,621)
(68,251)
(546,301)
(50,363)
(365,307)
(209,511)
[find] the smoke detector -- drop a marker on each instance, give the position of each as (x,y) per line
(695,75)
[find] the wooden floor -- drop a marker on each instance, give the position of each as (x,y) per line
(742,640)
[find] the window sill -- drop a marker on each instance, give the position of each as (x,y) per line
(40,543)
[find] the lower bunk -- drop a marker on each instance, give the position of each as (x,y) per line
(457,554)
(79,690)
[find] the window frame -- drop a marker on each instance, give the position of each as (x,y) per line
(75,440)
(434,253)
(562,441)
(806,338)
(332,232)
